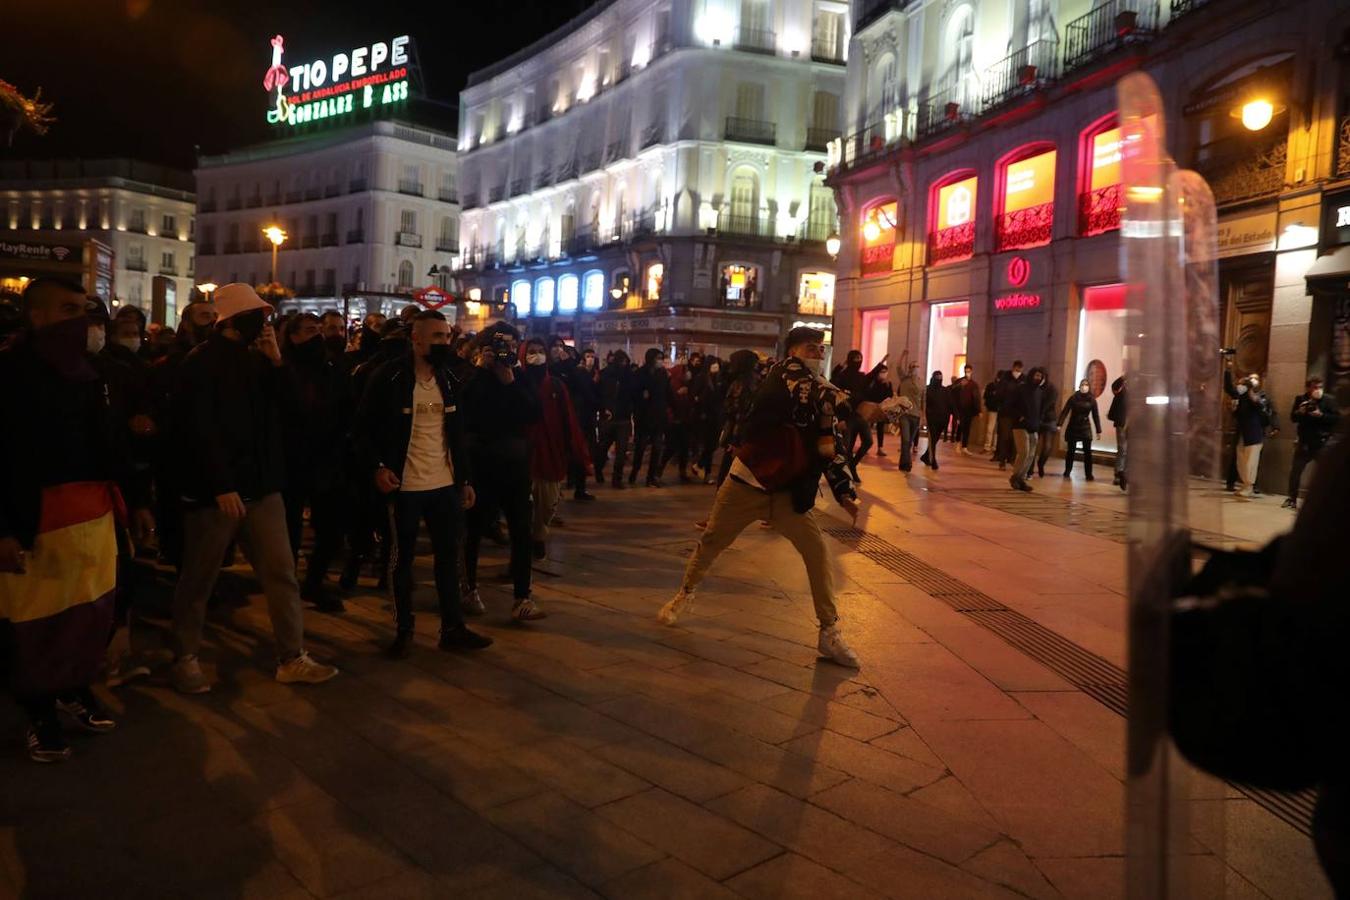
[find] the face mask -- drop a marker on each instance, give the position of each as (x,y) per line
(714,368)
(95,337)
(1317,394)
(439,354)
(309,352)
(249,325)
(1242,389)
(555,354)
(1017,373)
(816,366)
(62,345)
(535,359)
(335,344)
(588,362)
(1083,389)
(131,343)
(1256,385)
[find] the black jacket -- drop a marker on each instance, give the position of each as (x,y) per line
(937,406)
(1253,415)
(227,420)
(316,421)
(1079,409)
(383,423)
(966,397)
(1119,403)
(1025,404)
(496,415)
(1314,431)
(993,396)
(651,398)
(616,391)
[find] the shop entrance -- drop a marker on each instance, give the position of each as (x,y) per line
(1101,350)
(876,336)
(948,330)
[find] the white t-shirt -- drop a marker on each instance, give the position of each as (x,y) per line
(428,465)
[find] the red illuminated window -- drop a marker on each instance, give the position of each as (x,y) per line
(879,228)
(1026,198)
(1099,198)
(951,218)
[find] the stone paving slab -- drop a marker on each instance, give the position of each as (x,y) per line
(596,753)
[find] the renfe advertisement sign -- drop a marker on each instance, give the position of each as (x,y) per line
(361,78)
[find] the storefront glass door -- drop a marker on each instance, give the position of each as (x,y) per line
(1101,349)
(876,333)
(948,329)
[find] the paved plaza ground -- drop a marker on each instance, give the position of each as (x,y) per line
(596,753)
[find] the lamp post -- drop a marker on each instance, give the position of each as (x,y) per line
(832,245)
(277,236)
(207,288)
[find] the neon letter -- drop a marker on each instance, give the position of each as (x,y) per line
(318,73)
(400,50)
(299,79)
(339,66)
(358,61)
(379,52)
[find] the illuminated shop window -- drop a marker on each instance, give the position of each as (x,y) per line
(1028,196)
(879,228)
(740,286)
(1100,200)
(948,330)
(543,297)
(656,277)
(568,288)
(1101,343)
(622,288)
(593,298)
(815,294)
(520,296)
(951,234)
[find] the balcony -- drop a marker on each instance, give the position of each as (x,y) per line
(590,162)
(134,226)
(567,170)
(205,249)
(233,203)
(651,136)
(1107,28)
(313,193)
(945,107)
(872,10)
(496,193)
(328,240)
(168,270)
(207,206)
(407,239)
(745,225)
(751,131)
(411,188)
(228,248)
(274,199)
(517,187)
(951,244)
(138,265)
(816,230)
(251,245)
(756,40)
(616,150)
(1029,69)
(827,51)
(579,244)
(295,196)
(448,195)
(447,245)
(356,185)
(1343,148)
(1023,228)
(309,242)
(1248,176)
(470,201)
(818,138)
(356,236)
(873,139)
(331,190)
(1099,210)
(254,201)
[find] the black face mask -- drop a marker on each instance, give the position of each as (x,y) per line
(336,344)
(369,338)
(63,346)
(855,363)
(249,324)
(310,352)
(439,354)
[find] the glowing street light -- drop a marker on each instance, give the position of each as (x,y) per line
(277,236)
(832,245)
(207,288)
(871,230)
(1256,114)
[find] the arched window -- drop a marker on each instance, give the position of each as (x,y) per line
(951,217)
(1024,188)
(1099,197)
(520,296)
(569,287)
(956,70)
(405,274)
(593,295)
(543,297)
(878,229)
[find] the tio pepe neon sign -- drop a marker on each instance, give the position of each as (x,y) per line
(363,78)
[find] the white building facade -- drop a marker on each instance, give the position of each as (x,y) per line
(647,174)
(144,213)
(979,183)
(370,207)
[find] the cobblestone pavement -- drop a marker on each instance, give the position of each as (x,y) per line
(596,753)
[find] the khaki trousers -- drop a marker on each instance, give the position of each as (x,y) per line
(1248,462)
(546,494)
(737,505)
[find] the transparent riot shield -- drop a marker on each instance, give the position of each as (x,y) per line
(1169,261)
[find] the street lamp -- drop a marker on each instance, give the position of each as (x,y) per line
(832,245)
(207,288)
(277,236)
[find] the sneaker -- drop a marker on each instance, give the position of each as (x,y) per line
(540,550)
(1088,478)
(472,603)
(881,453)
(304,670)
(46,744)
(584,497)
(1289,503)
(527,610)
(401,647)
(187,676)
(126,668)
(461,638)
(833,647)
(680,603)
(89,716)
(701,524)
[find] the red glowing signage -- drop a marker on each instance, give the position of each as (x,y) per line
(878,238)
(1019,271)
(1017,301)
(366,77)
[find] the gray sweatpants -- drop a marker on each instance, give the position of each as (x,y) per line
(263,537)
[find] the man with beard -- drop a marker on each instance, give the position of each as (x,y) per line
(556,442)
(333,330)
(232,458)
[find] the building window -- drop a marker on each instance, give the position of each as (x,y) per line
(167,264)
(1100,200)
(815,294)
(876,334)
(446,242)
(569,287)
(520,296)
(543,296)
(740,286)
(1101,343)
(593,298)
(948,331)
(951,231)
(879,229)
(622,289)
(137,222)
(1026,187)
(168,227)
(407,221)
(405,274)
(655,281)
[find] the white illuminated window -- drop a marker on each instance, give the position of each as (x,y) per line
(568,289)
(543,296)
(594,297)
(520,296)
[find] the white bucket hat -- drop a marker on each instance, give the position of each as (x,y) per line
(236,298)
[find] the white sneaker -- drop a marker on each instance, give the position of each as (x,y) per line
(304,670)
(472,604)
(833,647)
(527,610)
(187,676)
(680,603)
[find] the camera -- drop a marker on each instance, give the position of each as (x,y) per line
(503,351)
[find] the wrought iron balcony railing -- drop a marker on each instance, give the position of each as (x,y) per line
(751,131)
(1021,228)
(1247,177)
(329,239)
(871,10)
(756,40)
(745,224)
(407,239)
(356,236)
(1343,148)
(951,244)
(470,201)
(412,188)
(1108,27)
(356,185)
(818,138)
(1029,69)
(827,50)
(1099,210)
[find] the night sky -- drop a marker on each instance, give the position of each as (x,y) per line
(155,79)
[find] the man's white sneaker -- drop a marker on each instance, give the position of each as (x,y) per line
(833,647)
(303,669)
(472,604)
(679,604)
(526,610)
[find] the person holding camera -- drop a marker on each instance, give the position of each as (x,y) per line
(499,407)
(409,437)
(228,410)
(1315,416)
(1254,417)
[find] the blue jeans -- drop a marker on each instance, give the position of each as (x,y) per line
(909,431)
